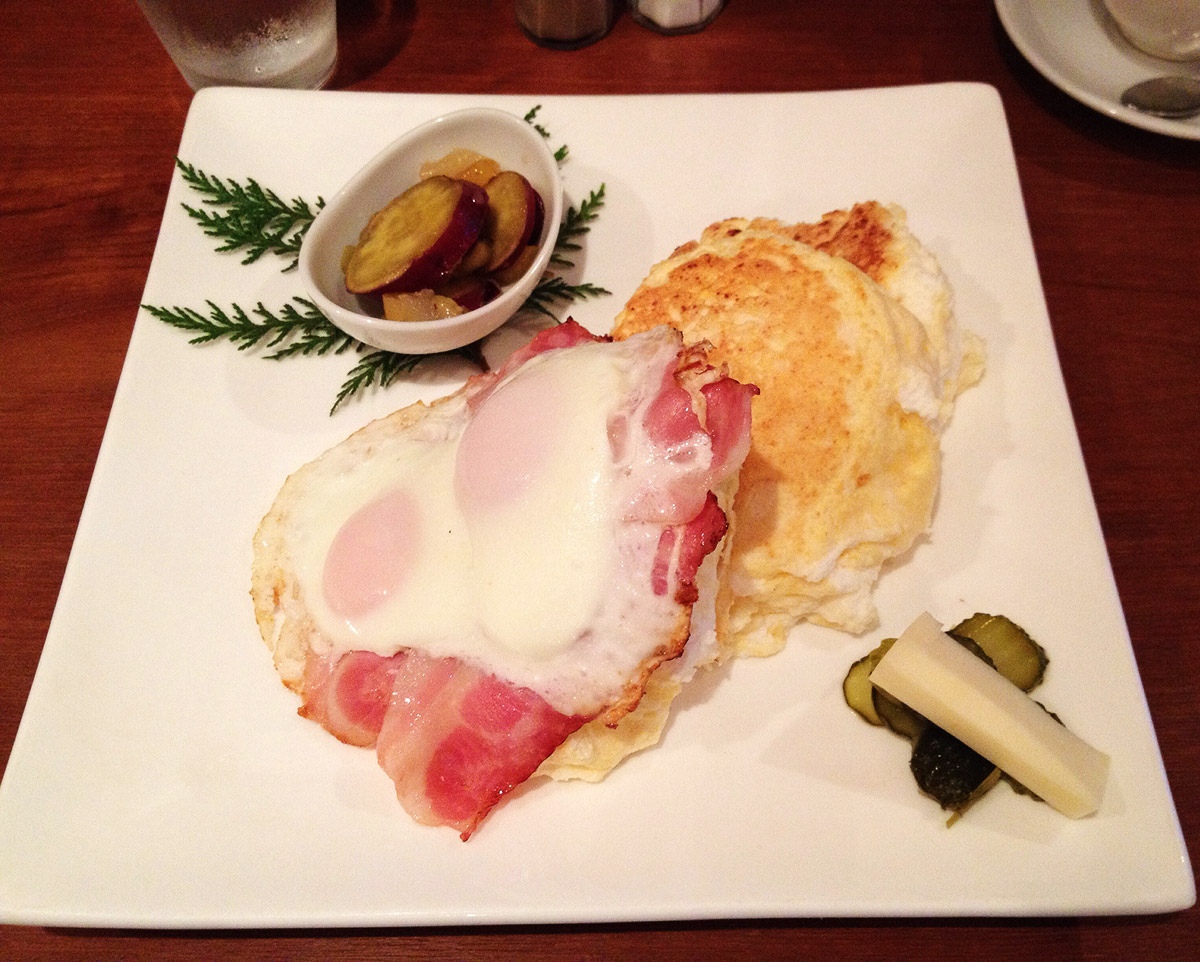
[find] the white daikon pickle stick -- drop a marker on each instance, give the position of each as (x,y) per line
(936,676)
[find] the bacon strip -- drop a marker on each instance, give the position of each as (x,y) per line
(727,420)
(567,334)
(455,740)
(701,455)
(682,549)
(349,696)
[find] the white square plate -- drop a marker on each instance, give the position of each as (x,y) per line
(161,776)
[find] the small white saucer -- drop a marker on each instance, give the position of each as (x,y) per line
(1076,46)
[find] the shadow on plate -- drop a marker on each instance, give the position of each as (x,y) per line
(370,34)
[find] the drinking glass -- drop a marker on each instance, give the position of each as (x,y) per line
(249,43)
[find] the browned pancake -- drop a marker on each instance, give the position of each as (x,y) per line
(877,240)
(865,235)
(844,466)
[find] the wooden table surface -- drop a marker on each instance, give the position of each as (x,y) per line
(91,112)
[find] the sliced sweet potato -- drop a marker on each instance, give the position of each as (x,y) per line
(471,291)
(418,238)
(512,213)
(475,260)
(513,272)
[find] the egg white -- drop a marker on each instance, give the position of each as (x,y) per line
(524,559)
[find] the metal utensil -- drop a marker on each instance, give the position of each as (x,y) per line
(1175,97)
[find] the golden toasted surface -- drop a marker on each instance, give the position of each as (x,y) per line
(877,240)
(844,465)
(864,235)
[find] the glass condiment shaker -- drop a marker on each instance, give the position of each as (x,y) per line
(675,16)
(565,24)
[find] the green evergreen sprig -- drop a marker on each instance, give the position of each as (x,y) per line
(377,368)
(296,328)
(576,223)
(555,289)
(561,154)
(248,217)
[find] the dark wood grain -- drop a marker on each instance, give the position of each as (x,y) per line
(91,111)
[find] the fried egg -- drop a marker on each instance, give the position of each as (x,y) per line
(515,526)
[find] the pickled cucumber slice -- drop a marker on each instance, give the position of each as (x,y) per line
(898,716)
(953,774)
(1008,646)
(857,688)
(875,706)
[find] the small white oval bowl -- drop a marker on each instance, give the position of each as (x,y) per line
(512,142)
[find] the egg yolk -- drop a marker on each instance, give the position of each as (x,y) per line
(372,554)
(509,445)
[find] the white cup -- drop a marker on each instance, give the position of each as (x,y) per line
(248,43)
(1169,29)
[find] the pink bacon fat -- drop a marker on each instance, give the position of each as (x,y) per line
(349,695)
(460,739)
(453,736)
